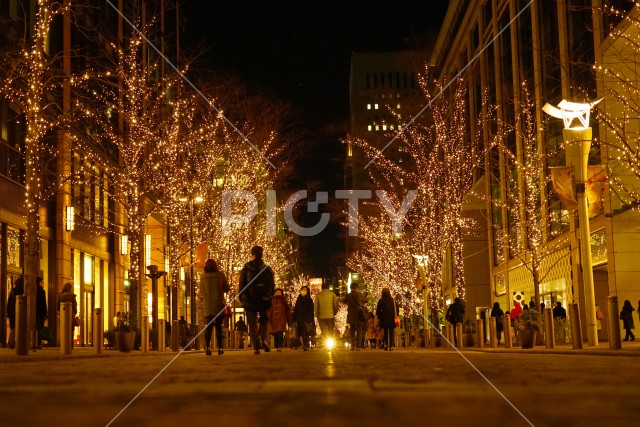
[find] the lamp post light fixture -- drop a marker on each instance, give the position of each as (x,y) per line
(70,220)
(192,282)
(422,261)
(577,141)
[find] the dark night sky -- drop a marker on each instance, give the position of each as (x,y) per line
(300,52)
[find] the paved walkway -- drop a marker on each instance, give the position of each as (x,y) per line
(321,388)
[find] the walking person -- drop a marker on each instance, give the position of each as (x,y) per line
(279,318)
(213,286)
(241,327)
(41,309)
(18,289)
(67,295)
(455,315)
(386,310)
(326,308)
(303,316)
(356,316)
(257,285)
(497,312)
(626,315)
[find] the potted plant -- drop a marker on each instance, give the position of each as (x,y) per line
(529,325)
(125,332)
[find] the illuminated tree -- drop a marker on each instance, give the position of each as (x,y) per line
(31,81)
(440,159)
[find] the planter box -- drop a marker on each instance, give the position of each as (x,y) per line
(125,340)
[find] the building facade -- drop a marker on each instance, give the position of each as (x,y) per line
(83,238)
(551,48)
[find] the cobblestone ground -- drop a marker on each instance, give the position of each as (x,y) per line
(341,388)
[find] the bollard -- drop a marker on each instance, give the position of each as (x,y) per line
(98,331)
(449,341)
(21,335)
(576,326)
(480,332)
(548,328)
(34,340)
(161,336)
(508,337)
(458,327)
(493,333)
(66,323)
(144,334)
(175,336)
(615,340)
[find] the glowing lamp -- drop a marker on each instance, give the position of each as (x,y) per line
(70,222)
(577,141)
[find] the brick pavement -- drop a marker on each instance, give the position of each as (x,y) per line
(404,387)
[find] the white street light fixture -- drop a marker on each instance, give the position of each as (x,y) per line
(577,141)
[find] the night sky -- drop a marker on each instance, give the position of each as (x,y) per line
(300,52)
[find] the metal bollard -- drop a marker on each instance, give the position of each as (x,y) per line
(508,338)
(66,319)
(161,335)
(493,333)
(144,334)
(98,330)
(175,336)
(480,332)
(458,327)
(615,340)
(576,326)
(548,328)
(21,335)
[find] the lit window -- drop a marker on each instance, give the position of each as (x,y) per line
(375,106)
(383,96)
(368,106)
(369,128)
(377,127)
(391,127)
(384,127)
(398,106)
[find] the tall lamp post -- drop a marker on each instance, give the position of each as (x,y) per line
(192,282)
(422,263)
(577,141)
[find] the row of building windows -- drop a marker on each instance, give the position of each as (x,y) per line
(391,80)
(12,133)
(90,193)
(375,127)
(377,106)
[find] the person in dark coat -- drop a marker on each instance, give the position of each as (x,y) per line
(241,327)
(213,286)
(386,310)
(41,308)
(67,295)
(559,312)
(18,289)
(356,316)
(455,315)
(497,312)
(626,315)
(279,318)
(260,276)
(303,316)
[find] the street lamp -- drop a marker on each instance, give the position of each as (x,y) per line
(422,264)
(578,142)
(192,282)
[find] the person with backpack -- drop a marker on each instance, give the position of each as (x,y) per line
(257,286)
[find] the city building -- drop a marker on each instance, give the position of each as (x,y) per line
(83,238)
(551,48)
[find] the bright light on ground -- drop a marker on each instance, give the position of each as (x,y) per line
(330,343)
